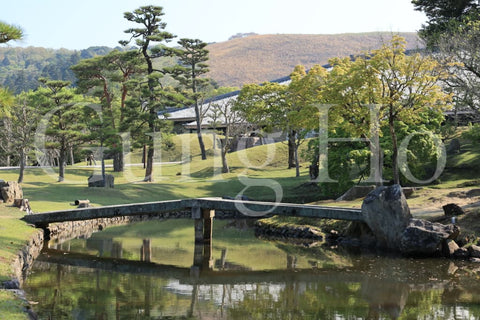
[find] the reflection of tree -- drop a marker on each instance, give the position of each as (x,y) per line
(67,291)
(384,298)
(336,287)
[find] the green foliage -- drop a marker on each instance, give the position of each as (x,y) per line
(64,119)
(110,78)
(445,16)
(11,307)
(458,51)
(9,32)
(404,90)
(473,133)
(153,96)
(190,71)
(6,101)
(20,68)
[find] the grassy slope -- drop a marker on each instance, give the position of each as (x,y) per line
(259,58)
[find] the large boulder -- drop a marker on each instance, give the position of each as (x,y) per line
(386,212)
(425,238)
(9,191)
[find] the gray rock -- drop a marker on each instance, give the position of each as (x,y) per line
(452,209)
(423,237)
(450,247)
(10,191)
(386,212)
(473,193)
(11,284)
(461,253)
(97,181)
(474,251)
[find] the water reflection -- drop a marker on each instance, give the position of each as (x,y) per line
(110,278)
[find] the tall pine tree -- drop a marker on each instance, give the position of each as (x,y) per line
(192,57)
(150,30)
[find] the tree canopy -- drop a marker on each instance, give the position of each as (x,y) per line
(404,88)
(444,16)
(9,32)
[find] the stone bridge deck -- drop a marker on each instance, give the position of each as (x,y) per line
(247,209)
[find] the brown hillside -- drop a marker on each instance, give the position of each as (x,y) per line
(259,58)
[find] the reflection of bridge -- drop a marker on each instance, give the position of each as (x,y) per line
(186,276)
(203,212)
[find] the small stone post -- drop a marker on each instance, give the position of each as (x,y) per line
(202,256)
(146,251)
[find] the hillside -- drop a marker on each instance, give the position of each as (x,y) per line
(259,58)
(254,58)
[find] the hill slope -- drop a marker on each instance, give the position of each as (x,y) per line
(259,58)
(255,58)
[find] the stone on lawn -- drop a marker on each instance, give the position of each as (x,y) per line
(9,191)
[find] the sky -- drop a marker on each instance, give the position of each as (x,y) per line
(74,24)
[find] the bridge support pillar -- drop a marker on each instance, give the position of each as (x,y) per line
(203,223)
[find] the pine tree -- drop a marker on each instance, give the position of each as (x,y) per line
(192,57)
(151,30)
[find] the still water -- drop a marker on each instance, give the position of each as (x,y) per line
(104,277)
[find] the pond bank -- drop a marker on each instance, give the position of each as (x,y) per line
(57,233)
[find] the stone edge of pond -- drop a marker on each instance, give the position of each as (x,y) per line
(61,232)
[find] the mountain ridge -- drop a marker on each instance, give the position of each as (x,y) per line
(250,58)
(257,58)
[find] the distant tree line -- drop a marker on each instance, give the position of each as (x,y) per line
(20,68)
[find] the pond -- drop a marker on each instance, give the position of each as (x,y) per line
(147,270)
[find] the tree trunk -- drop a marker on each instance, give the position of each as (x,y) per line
(104,184)
(144,156)
(72,159)
(225,168)
(224,150)
(291,149)
(61,164)
(395,172)
(118,161)
(297,162)
(149,167)
(8,131)
(199,131)
(22,165)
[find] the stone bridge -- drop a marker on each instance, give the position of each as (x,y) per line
(199,208)
(202,211)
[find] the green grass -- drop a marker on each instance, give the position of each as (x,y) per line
(261,168)
(11,308)
(13,237)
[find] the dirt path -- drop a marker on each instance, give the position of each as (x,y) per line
(430,202)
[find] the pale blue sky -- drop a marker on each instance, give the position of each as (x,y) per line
(77,24)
